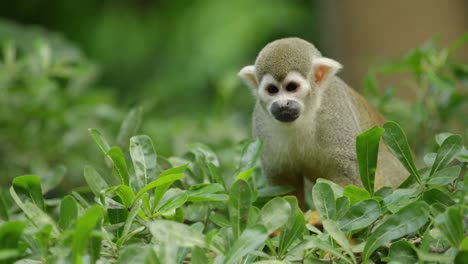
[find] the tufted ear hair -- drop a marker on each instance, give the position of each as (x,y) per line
(324,68)
(247,74)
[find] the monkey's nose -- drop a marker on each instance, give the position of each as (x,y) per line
(286,112)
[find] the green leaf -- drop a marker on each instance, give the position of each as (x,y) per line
(130,126)
(95,182)
(120,166)
(450,223)
(324,200)
(294,229)
(461,257)
(244,175)
(204,152)
(126,195)
(137,254)
(249,156)
(82,233)
(207,192)
(396,140)
(68,212)
(100,140)
(406,221)
(436,196)
(274,214)
(334,231)
(402,252)
(163,179)
(128,223)
(173,202)
(367,148)
(342,206)
(315,242)
(30,186)
(199,256)
(3,207)
(178,234)
(360,215)
(220,220)
(34,214)
(10,234)
(447,152)
(445,176)
(356,194)
(144,158)
(240,199)
(251,239)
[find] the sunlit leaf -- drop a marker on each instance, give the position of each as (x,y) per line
(367,148)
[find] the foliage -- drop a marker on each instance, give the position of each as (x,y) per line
(438,86)
(47,95)
(149,209)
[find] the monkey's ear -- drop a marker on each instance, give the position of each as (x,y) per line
(248,76)
(324,68)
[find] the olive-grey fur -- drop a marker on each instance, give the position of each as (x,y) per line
(321,142)
(282,56)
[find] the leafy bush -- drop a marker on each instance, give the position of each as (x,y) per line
(437,84)
(149,209)
(47,95)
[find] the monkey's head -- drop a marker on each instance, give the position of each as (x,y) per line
(286,75)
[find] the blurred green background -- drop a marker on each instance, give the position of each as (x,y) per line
(66,66)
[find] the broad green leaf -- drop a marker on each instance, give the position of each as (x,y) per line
(249,156)
(144,158)
(137,253)
(445,176)
(10,234)
(178,234)
(402,252)
(360,215)
(120,166)
(164,179)
(294,229)
(130,126)
(337,189)
(314,242)
(172,203)
(68,212)
(131,216)
(216,174)
(161,190)
(447,152)
(251,239)
(126,195)
(8,255)
(95,182)
(450,223)
(34,214)
(30,186)
(84,226)
(207,192)
(199,256)
(240,199)
(400,198)
(406,221)
(324,200)
(245,175)
(220,220)
(272,191)
(396,140)
(356,194)
(432,196)
(334,231)
(204,152)
(367,148)
(275,214)
(342,206)
(100,140)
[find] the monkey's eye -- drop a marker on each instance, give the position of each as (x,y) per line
(292,87)
(271,89)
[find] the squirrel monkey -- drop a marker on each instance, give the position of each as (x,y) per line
(308,119)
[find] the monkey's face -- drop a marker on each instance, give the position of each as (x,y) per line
(284,100)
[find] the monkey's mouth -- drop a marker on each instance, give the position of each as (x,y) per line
(287,112)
